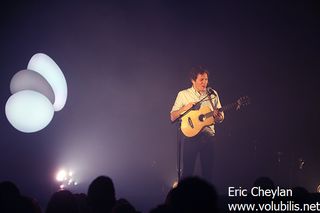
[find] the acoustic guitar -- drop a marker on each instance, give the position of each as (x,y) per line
(195,120)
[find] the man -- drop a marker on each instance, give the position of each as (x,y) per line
(202,143)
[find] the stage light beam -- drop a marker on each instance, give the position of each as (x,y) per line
(61,175)
(65,178)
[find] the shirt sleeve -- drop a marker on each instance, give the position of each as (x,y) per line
(218,105)
(178,102)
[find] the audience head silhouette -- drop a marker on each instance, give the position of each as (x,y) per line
(123,206)
(62,202)
(9,196)
(264,183)
(101,195)
(8,190)
(193,194)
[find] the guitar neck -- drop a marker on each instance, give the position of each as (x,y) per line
(243,101)
(224,109)
(228,107)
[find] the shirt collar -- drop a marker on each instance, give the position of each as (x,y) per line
(192,89)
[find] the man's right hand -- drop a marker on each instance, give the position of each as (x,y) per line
(175,114)
(188,106)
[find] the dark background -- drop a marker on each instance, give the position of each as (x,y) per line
(125,61)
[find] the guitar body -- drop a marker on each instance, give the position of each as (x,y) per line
(194,121)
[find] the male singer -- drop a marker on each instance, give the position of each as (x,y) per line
(202,143)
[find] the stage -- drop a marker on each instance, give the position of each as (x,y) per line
(124,63)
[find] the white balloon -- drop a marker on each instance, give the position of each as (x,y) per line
(44,65)
(31,80)
(29,111)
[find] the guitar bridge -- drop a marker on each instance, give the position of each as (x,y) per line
(190,122)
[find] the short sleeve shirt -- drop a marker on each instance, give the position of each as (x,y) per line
(186,96)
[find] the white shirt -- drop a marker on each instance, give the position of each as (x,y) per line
(186,96)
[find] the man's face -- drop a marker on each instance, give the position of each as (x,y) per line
(201,83)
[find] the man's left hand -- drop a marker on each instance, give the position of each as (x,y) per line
(217,115)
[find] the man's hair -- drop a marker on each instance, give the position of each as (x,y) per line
(196,70)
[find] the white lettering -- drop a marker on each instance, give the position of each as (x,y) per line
(257,191)
(237,192)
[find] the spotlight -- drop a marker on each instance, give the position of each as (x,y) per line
(61,187)
(301,163)
(65,179)
(61,175)
(175,184)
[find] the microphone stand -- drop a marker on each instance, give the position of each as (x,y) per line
(179,141)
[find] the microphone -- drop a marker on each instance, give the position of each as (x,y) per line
(211,91)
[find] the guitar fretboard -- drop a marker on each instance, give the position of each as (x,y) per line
(223,109)
(229,107)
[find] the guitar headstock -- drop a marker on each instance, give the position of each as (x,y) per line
(243,101)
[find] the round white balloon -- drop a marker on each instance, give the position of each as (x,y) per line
(29,111)
(31,80)
(44,65)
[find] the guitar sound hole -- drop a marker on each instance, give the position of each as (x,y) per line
(202,118)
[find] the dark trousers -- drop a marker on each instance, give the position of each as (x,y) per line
(201,145)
